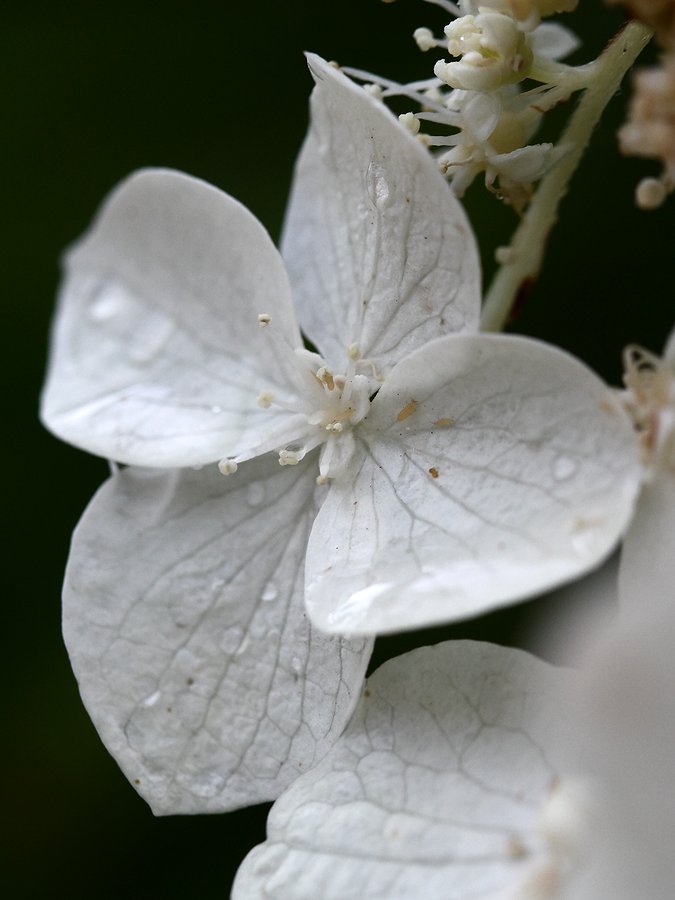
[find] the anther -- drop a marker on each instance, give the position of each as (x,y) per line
(353,352)
(264,319)
(424,39)
(325,376)
(265,399)
(410,122)
(289,458)
(335,427)
(227,466)
(374,90)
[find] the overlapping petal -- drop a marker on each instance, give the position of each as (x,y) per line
(184,619)
(379,252)
(157,355)
(491,468)
(436,789)
(647,571)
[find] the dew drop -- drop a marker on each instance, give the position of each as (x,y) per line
(152,699)
(563,467)
(270,592)
(108,301)
(243,646)
(377,185)
(255,493)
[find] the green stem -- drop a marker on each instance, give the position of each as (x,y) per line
(525,254)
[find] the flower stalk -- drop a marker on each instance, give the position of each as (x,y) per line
(523,258)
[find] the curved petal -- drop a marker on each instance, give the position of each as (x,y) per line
(436,789)
(553,40)
(629,705)
(184,620)
(157,355)
(492,468)
(647,570)
(379,251)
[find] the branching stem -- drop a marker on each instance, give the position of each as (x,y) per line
(525,254)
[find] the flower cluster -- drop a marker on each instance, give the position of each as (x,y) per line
(498,45)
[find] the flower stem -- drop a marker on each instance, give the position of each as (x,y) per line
(525,254)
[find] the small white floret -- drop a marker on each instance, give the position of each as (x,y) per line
(410,122)
(289,457)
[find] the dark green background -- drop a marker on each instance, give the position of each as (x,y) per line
(90,91)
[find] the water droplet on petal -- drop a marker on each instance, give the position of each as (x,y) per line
(270,592)
(107,301)
(152,699)
(243,646)
(255,493)
(563,467)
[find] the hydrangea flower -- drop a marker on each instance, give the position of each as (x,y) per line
(468,470)
(452,780)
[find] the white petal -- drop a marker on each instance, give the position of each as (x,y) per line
(553,40)
(184,620)
(157,356)
(379,251)
(434,791)
(494,468)
(526,164)
(647,571)
(630,743)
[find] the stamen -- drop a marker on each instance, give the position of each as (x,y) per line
(336,427)
(353,352)
(425,40)
(290,457)
(265,399)
(410,121)
(227,466)
(325,376)
(264,319)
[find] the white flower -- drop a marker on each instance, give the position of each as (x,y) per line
(494,51)
(451,781)
(471,470)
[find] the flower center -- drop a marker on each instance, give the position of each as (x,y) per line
(326,406)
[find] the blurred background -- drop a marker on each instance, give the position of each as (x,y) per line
(90,91)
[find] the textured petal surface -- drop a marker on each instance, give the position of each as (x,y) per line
(184,620)
(492,468)
(434,791)
(157,355)
(379,251)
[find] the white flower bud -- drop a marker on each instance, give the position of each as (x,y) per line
(494,52)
